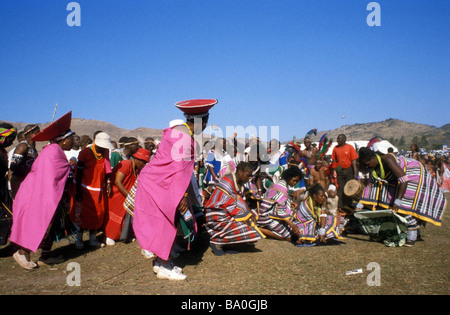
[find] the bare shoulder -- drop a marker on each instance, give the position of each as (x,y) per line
(21,149)
(389,158)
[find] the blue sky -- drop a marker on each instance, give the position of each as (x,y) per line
(296,64)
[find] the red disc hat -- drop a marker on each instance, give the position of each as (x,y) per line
(56,129)
(196,107)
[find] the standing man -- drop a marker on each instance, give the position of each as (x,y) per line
(345,156)
(162,190)
(309,154)
(24,155)
(35,207)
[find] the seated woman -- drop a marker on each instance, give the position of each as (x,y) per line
(403,185)
(312,219)
(228,219)
(275,211)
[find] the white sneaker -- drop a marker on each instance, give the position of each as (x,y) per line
(147,254)
(110,241)
(170,273)
(23,262)
(157,264)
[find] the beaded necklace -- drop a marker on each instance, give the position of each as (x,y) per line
(190,131)
(382,173)
(98,156)
(317,209)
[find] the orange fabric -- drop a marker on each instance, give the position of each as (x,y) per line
(91,214)
(344,155)
(116,212)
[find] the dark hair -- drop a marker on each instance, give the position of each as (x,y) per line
(365,154)
(291,172)
(97,132)
(192,120)
(5,125)
(29,128)
(20,135)
(243,166)
(131,139)
(315,189)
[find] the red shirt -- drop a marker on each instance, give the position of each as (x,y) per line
(344,155)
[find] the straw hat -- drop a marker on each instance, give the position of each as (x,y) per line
(103,140)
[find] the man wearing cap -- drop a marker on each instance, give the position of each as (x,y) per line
(92,183)
(124,175)
(161,194)
(36,203)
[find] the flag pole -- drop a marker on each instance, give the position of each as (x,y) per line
(54,112)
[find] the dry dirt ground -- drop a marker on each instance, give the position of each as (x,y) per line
(272,268)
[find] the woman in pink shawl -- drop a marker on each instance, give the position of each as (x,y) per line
(161,194)
(40,193)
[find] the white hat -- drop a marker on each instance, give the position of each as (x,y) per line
(103,140)
(176,122)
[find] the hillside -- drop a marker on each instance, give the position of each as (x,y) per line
(89,126)
(398,132)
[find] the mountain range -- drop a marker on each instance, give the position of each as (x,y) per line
(400,133)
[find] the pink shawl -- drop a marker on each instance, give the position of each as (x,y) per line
(161,185)
(38,197)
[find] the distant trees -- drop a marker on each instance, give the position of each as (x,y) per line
(399,143)
(422,142)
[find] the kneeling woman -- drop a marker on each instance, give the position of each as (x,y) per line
(275,212)
(312,219)
(228,219)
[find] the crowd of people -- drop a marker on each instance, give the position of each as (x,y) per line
(163,193)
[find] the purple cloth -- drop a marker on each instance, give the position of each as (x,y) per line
(38,197)
(161,185)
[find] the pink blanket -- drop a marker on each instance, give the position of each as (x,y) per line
(161,185)
(38,197)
